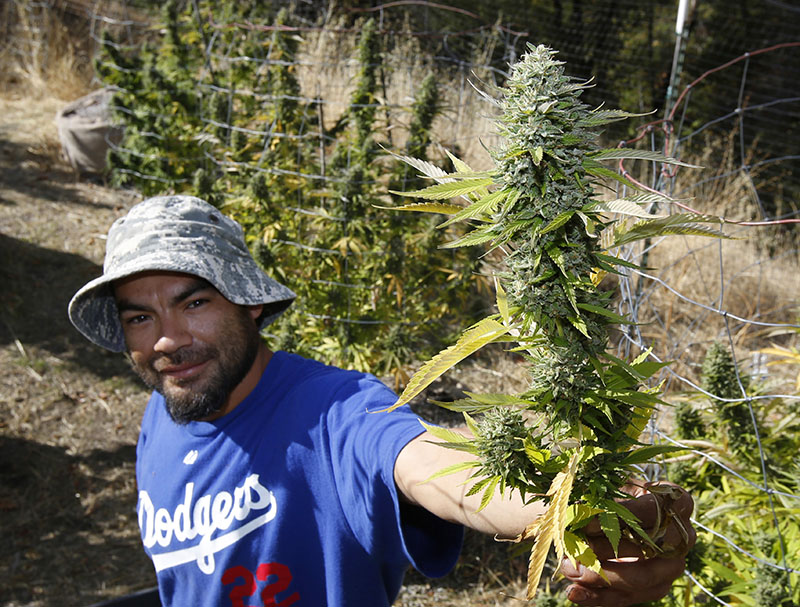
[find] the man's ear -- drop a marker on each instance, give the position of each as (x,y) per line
(255,311)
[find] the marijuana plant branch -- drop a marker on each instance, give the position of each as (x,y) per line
(573,435)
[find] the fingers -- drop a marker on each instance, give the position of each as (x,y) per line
(662,509)
(677,539)
(605,597)
(626,574)
(629,581)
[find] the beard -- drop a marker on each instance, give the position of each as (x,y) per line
(199,398)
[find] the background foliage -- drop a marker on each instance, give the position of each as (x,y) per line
(225,120)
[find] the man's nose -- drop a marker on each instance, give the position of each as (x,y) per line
(174,336)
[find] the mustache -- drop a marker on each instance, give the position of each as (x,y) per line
(182,357)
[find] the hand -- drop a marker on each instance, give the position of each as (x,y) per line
(663,510)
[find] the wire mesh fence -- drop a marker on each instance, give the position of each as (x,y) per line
(732,106)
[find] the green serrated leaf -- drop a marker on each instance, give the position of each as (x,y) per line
(488,492)
(601,117)
(473,427)
(538,457)
(478,486)
(686,224)
(555,253)
(649,368)
(428,207)
(454,469)
(611,259)
(580,514)
(445,434)
(617,318)
(469,175)
(559,221)
(629,518)
(484,206)
(645,454)
(609,523)
(633,154)
(625,206)
(463,404)
(569,291)
(502,301)
(500,400)
(596,169)
(442,191)
(579,324)
(475,237)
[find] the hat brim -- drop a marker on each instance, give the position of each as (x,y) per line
(93,309)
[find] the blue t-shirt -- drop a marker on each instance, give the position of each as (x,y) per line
(289,499)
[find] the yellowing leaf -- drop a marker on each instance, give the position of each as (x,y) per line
(790,357)
(552,525)
(502,301)
(472,340)
(444,208)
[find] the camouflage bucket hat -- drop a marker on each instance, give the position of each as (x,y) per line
(176,234)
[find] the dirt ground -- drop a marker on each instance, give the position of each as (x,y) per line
(69,411)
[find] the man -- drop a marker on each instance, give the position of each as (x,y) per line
(267,477)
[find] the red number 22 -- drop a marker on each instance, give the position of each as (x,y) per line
(248,586)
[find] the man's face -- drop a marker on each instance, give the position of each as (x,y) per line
(187,341)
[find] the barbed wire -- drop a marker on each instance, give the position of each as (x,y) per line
(672,139)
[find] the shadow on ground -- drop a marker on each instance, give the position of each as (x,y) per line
(37,286)
(53,504)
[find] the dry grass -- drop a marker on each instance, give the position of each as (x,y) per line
(707,289)
(69,414)
(328,68)
(48,51)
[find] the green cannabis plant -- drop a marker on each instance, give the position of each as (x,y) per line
(722,381)
(214,106)
(743,475)
(573,435)
(156,100)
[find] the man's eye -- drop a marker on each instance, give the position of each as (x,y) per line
(196,303)
(135,320)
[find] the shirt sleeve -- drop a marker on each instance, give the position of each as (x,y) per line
(365,442)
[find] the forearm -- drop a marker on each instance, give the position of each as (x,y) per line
(446,496)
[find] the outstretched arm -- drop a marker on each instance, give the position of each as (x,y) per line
(631,577)
(506,516)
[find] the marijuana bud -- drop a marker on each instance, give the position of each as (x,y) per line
(501,444)
(721,379)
